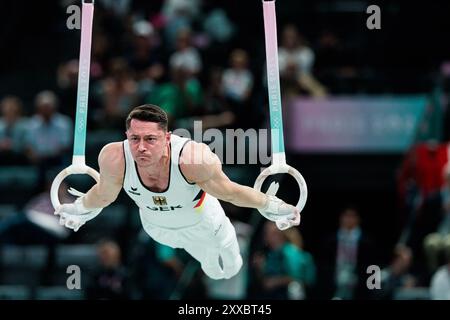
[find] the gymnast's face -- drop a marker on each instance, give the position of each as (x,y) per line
(148,142)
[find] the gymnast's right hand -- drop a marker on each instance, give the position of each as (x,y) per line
(285,215)
(74,215)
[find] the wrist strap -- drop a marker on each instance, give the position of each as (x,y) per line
(272,204)
(81,207)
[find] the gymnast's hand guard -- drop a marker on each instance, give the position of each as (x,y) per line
(283,214)
(74,215)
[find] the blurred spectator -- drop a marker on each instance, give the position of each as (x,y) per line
(145,58)
(218,34)
(179,15)
(118,7)
(284,269)
(294,53)
(238,80)
(218,113)
(156,268)
(49,135)
(117,93)
(67,77)
(214,111)
(440,282)
(12,132)
(397,276)
(237,86)
(102,51)
(330,50)
(145,8)
(337,63)
(186,56)
(420,183)
(423,166)
(214,96)
(296,62)
(308,267)
(37,224)
(437,243)
(218,26)
(173,9)
(111,280)
(345,257)
(180,98)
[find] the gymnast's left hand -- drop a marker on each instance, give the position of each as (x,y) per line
(75,215)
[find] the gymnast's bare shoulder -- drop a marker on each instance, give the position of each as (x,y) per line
(112,167)
(111,161)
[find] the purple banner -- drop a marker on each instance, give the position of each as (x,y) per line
(353,124)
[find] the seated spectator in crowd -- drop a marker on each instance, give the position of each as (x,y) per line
(238,80)
(218,112)
(420,184)
(186,56)
(214,112)
(145,57)
(237,86)
(296,62)
(178,15)
(345,256)
(48,140)
(117,93)
(308,267)
(181,97)
(102,52)
(336,61)
(397,275)
(12,132)
(218,33)
(67,79)
(111,280)
(283,266)
(156,269)
(116,8)
(438,243)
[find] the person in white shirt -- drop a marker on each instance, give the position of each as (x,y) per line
(440,283)
(294,53)
(186,57)
(176,183)
(296,62)
(237,82)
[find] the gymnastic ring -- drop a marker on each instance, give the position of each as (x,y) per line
(285,168)
(70,170)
